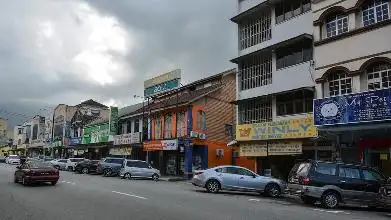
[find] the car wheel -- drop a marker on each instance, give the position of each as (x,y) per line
(107,172)
(308,200)
(272,190)
(84,170)
(127,176)
(53,183)
(213,186)
(155,177)
(330,200)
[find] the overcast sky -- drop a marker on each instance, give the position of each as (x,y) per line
(67,51)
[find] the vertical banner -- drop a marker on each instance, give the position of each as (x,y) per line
(113,120)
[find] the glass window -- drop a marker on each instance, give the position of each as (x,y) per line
(255,111)
(375,11)
(294,102)
(326,168)
(255,31)
(336,25)
(141,164)
(231,170)
(168,126)
(294,54)
(62,161)
(35,132)
(255,71)
(158,127)
(137,125)
(131,164)
(219,170)
(379,76)
(245,172)
(287,9)
(349,172)
(201,120)
(339,83)
(181,128)
(372,175)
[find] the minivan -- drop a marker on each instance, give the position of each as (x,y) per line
(333,183)
(138,169)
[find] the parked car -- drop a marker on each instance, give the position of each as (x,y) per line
(71,163)
(385,195)
(36,171)
(13,159)
(2,159)
(334,183)
(138,169)
(110,166)
(236,178)
(59,164)
(87,166)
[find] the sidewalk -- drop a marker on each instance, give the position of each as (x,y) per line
(173,178)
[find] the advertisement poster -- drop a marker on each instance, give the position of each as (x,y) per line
(96,134)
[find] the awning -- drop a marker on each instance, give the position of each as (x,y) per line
(232,143)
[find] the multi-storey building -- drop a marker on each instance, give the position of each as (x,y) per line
(353,78)
(275,85)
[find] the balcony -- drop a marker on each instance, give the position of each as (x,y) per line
(245,5)
(290,78)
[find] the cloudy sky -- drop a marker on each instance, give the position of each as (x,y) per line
(67,51)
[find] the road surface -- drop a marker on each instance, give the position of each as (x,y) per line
(92,197)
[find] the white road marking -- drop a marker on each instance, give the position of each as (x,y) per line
(332,211)
(73,183)
(254,200)
(126,194)
(63,181)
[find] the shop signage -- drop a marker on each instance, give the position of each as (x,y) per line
(253,150)
(125,151)
(36,143)
(383,156)
(96,133)
(133,138)
(113,119)
(161,145)
(162,83)
(22,146)
(74,141)
(284,148)
(353,108)
(285,129)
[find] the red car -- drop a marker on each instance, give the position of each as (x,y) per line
(36,172)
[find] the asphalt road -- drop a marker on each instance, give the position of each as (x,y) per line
(94,197)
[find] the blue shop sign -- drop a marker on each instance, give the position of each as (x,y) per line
(353,108)
(74,141)
(163,87)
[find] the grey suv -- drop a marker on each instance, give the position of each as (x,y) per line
(138,169)
(334,183)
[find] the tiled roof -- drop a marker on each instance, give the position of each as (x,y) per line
(92,103)
(129,109)
(183,98)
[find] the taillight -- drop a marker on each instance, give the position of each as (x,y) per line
(306,181)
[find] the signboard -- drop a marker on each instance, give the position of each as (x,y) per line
(36,143)
(284,148)
(113,119)
(383,156)
(133,138)
(162,83)
(125,151)
(285,129)
(253,150)
(161,145)
(353,108)
(75,141)
(96,134)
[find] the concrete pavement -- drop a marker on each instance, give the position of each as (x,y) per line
(88,197)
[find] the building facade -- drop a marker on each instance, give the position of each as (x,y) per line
(275,85)
(353,66)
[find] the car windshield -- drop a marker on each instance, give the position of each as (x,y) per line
(13,157)
(76,159)
(39,165)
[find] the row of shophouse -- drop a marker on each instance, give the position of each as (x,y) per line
(312,82)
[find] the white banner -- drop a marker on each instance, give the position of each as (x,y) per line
(133,138)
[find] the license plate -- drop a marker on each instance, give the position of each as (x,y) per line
(45,173)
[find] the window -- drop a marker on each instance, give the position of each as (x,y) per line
(128,127)
(113,160)
(231,170)
(255,71)
(336,25)
(19,131)
(35,132)
(379,76)
(255,111)
(255,31)
(19,142)
(294,103)
(62,161)
(287,9)
(294,54)
(219,170)
(245,172)
(349,172)
(326,168)
(339,83)
(375,11)
(131,164)
(168,126)
(141,164)
(181,128)
(158,127)
(201,120)
(136,125)
(371,175)
(124,128)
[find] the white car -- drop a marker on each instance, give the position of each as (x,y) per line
(71,163)
(59,164)
(13,159)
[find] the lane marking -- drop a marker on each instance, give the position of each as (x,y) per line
(126,194)
(254,200)
(332,211)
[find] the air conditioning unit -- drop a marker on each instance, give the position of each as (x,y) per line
(202,136)
(193,134)
(219,152)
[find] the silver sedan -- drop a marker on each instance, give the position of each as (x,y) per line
(234,178)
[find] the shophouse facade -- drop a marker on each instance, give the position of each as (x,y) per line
(275,86)
(353,73)
(185,127)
